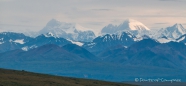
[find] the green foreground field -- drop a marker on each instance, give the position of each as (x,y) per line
(24,78)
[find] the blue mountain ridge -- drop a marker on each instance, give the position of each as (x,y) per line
(117,58)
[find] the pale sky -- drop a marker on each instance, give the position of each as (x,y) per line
(19,15)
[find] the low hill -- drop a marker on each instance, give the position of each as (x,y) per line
(24,78)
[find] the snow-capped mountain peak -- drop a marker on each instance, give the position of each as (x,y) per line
(173,32)
(131,24)
(179,27)
(70,31)
(66,27)
(136,25)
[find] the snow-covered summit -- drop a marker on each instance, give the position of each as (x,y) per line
(66,27)
(173,32)
(70,31)
(127,25)
(130,25)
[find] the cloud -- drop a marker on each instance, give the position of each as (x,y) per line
(162,23)
(89,13)
(101,9)
(164,15)
(172,0)
(5,0)
(12,25)
(95,23)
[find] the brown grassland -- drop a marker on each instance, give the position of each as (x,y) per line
(24,78)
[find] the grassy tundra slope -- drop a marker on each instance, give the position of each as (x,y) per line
(23,78)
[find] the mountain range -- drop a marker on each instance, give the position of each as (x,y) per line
(68,49)
(77,33)
(11,41)
(149,52)
(138,29)
(115,63)
(48,52)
